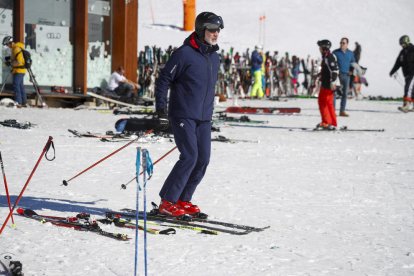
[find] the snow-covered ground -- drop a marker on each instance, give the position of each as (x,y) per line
(295,26)
(337,203)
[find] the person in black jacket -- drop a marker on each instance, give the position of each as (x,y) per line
(405,60)
(191,74)
(328,79)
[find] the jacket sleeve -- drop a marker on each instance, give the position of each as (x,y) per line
(18,61)
(167,76)
(397,65)
(333,67)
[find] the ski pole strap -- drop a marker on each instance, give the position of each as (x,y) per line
(138,166)
(47,147)
(147,164)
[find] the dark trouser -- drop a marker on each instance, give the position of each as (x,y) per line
(193,139)
(344,80)
(125,91)
(409,87)
(18,88)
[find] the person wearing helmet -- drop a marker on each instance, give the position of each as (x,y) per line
(405,60)
(257,62)
(345,58)
(190,74)
(18,70)
(328,79)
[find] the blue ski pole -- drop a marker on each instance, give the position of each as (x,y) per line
(137,165)
(147,168)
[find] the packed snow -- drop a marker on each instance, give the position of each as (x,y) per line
(337,203)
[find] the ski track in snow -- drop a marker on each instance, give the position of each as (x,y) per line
(337,203)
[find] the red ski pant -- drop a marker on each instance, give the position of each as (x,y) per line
(326,107)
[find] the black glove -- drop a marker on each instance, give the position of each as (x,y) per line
(163,119)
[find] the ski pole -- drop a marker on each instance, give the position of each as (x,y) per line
(137,166)
(66,182)
(6,188)
(124,186)
(49,143)
(147,167)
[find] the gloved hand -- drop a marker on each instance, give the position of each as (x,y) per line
(163,119)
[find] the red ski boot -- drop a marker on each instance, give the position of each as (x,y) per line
(171,209)
(188,207)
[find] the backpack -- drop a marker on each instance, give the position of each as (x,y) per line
(27,58)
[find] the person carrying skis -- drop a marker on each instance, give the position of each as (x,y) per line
(191,74)
(257,60)
(405,60)
(345,58)
(17,62)
(328,78)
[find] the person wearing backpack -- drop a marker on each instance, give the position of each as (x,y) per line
(17,63)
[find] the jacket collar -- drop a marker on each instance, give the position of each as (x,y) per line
(204,48)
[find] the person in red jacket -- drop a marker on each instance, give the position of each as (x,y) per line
(328,78)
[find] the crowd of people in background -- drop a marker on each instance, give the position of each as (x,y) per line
(259,73)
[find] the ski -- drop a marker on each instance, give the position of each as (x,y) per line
(126,222)
(119,222)
(341,129)
(242,119)
(221,138)
(262,110)
(80,222)
(199,218)
(16,124)
(108,135)
(405,110)
(133,111)
(185,221)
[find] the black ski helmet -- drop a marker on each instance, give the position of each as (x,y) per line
(7,40)
(325,44)
(404,40)
(207,20)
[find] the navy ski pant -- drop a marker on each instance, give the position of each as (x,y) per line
(193,140)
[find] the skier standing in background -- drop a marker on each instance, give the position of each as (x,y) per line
(328,78)
(405,60)
(257,60)
(345,58)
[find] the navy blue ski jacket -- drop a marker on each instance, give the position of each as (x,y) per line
(191,74)
(257,61)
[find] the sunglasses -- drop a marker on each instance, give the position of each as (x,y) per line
(343,43)
(213,30)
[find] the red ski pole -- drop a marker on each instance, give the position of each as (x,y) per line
(123,186)
(6,188)
(65,182)
(45,150)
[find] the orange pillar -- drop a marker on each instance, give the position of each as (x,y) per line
(189,14)
(124,37)
(18,21)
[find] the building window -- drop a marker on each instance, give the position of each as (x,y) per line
(48,37)
(99,43)
(6,29)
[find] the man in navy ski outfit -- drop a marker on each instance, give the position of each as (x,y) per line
(191,74)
